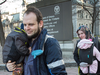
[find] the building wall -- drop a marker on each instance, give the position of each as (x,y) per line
(76,17)
(83,18)
(80,17)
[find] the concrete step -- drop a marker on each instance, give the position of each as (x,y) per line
(67,55)
(2,67)
(70,62)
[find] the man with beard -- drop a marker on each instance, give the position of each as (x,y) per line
(46,56)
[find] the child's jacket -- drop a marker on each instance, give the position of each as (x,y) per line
(16,46)
(84,44)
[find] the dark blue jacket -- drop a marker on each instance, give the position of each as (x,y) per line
(50,62)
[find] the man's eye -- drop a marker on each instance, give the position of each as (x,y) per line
(24,24)
(30,24)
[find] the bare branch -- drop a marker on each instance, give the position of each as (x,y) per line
(3,2)
(88,11)
(93,9)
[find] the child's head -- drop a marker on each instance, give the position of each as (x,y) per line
(84,32)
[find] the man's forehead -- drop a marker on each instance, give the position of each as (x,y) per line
(30,13)
(29,16)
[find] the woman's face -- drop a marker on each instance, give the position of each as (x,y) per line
(81,34)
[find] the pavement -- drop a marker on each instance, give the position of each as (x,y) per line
(70,71)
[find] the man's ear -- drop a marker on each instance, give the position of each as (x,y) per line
(41,24)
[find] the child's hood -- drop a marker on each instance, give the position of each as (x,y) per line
(84,44)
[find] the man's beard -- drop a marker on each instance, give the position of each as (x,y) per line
(34,35)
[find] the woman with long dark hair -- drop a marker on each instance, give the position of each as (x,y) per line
(86,42)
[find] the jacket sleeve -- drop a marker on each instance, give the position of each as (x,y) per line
(21,46)
(54,58)
(7,48)
(76,56)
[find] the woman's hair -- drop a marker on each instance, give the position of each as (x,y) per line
(86,31)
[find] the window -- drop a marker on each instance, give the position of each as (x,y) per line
(86,16)
(80,14)
(90,17)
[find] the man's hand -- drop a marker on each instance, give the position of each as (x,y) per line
(30,49)
(11,65)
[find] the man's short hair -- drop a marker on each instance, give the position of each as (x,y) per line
(36,11)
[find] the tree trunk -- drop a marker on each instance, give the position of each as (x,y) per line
(92,27)
(2,37)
